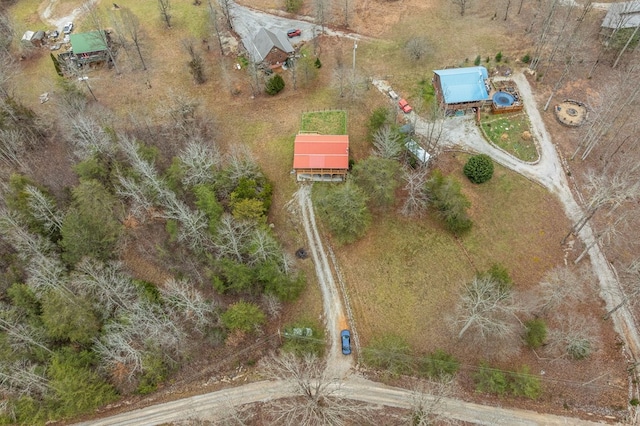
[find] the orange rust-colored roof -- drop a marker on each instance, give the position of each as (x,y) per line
(312,151)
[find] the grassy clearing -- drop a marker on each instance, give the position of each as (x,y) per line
(403,277)
(325,122)
(506,131)
(25,16)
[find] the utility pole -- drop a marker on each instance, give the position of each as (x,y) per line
(353,70)
(355,46)
(86,81)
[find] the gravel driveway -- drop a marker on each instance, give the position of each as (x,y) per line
(463,133)
(247,22)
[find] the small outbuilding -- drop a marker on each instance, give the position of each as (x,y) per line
(321,157)
(35,38)
(270,48)
(461,88)
(89,47)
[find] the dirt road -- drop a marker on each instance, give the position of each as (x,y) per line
(214,406)
(48,13)
(338,365)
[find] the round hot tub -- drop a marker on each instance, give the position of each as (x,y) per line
(503,99)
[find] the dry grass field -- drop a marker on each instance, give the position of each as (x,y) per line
(404,275)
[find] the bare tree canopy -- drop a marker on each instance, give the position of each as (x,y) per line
(462,4)
(486,310)
(316,399)
(165,11)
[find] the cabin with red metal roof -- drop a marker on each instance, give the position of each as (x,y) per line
(321,157)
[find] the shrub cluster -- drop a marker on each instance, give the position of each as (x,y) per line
(517,383)
(275,85)
(445,195)
(394,355)
(479,168)
(536,332)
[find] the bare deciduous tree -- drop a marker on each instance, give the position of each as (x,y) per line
(462,4)
(200,162)
(12,147)
(88,137)
(615,227)
(316,400)
(215,25)
(417,48)
(226,7)
(417,199)
(44,209)
(182,295)
(21,336)
(117,348)
(427,400)
(340,73)
(128,26)
(346,8)
(387,143)
(545,32)
(241,163)
(272,305)
(125,340)
(561,286)
(233,237)
(486,310)
(150,189)
(165,11)
(254,78)
(568,63)
(631,278)
(609,190)
(577,338)
(23,378)
(196,63)
(263,247)
(7,34)
(321,12)
(431,133)
(615,109)
(108,284)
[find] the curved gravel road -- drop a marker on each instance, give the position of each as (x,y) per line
(213,406)
(463,133)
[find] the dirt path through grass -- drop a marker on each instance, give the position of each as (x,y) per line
(338,365)
(48,13)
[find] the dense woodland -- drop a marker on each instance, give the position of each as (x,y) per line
(77,328)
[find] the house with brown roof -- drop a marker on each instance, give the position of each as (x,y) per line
(270,48)
(321,157)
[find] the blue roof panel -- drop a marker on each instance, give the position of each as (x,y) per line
(463,84)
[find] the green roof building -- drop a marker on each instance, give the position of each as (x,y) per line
(89,47)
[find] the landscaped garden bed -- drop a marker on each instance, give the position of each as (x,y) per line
(512,133)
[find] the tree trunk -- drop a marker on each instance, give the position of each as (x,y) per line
(615,64)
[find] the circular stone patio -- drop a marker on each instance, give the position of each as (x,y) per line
(571,113)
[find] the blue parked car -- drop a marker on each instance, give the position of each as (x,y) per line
(345,335)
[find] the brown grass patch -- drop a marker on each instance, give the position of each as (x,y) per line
(405,274)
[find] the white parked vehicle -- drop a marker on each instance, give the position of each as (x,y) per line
(67,28)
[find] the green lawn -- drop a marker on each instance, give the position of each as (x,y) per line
(333,122)
(403,277)
(506,131)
